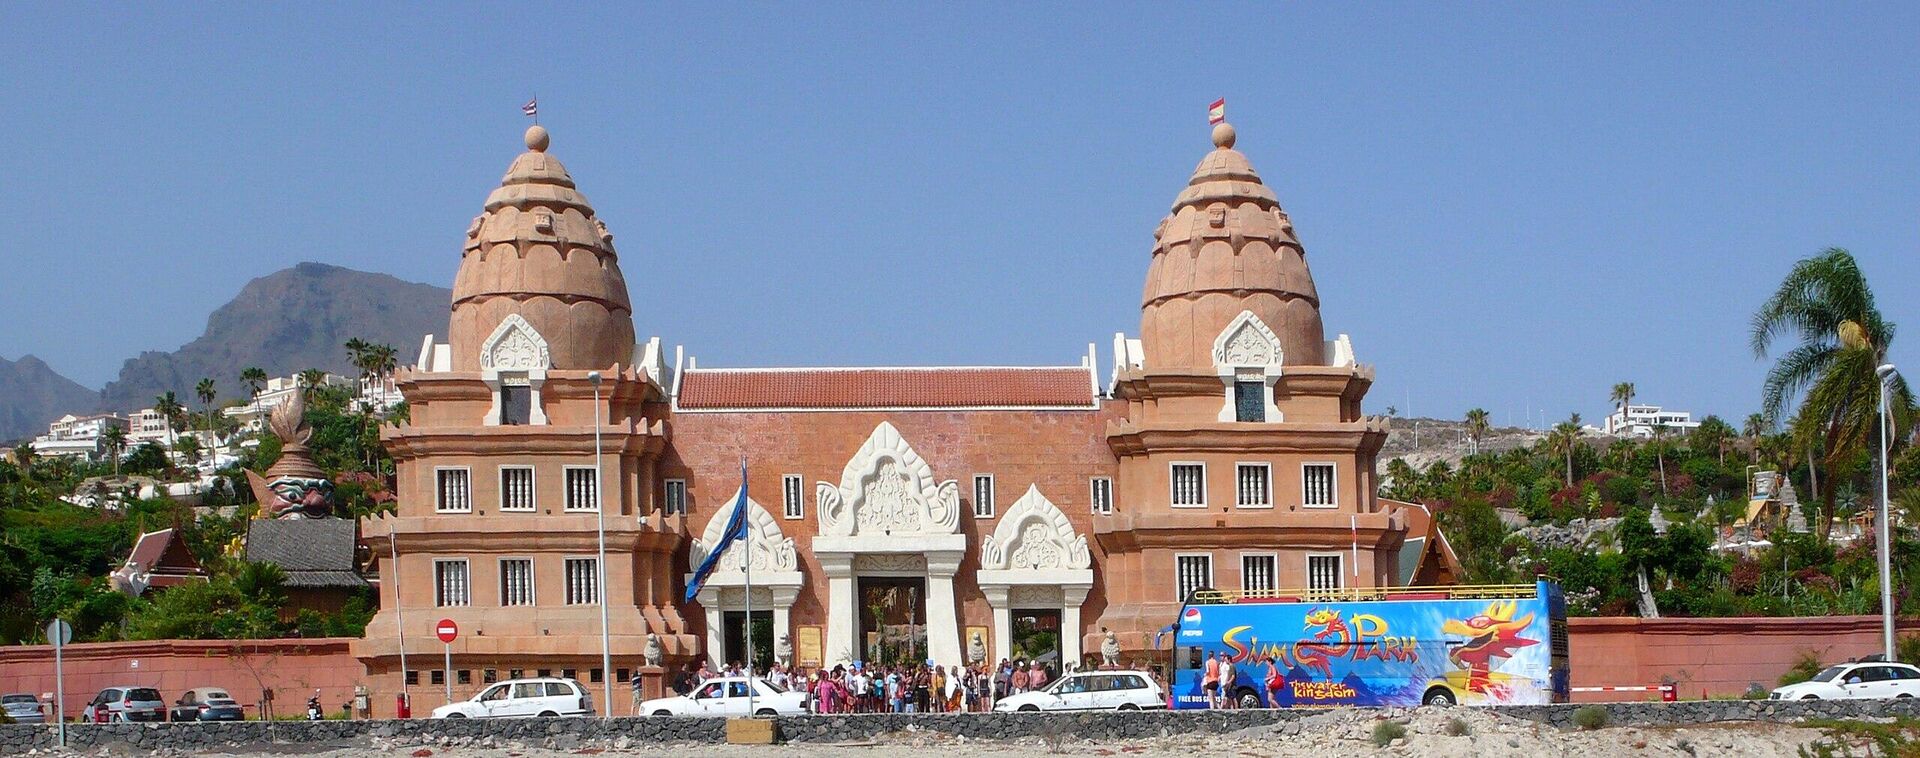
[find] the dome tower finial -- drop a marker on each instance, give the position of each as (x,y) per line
(537,138)
(1223,135)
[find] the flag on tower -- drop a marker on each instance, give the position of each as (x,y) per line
(1217,112)
(736,529)
(532,108)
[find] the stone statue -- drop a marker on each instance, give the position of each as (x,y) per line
(1110,648)
(652,652)
(783,649)
(294,487)
(976,647)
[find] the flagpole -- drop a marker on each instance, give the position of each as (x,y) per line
(746,568)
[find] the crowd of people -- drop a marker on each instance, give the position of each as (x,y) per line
(862,688)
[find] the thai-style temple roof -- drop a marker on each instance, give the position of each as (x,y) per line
(312,552)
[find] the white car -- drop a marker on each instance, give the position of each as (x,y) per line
(727,696)
(522,697)
(1090,691)
(1866,679)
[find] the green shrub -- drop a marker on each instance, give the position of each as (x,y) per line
(1804,667)
(1457,727)
(1907,649)
(1385,732)
(1590,717)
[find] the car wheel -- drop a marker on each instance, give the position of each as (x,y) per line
(1033,708)
(663,712)
(456,715)
(1129,707)
(1810,697)
(549,715)
(1901,695)
(765,712)
(1439,696)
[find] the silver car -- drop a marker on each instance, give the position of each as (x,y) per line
(23,708)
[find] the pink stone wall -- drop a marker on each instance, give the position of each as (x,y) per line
(292,668)
(1717,657)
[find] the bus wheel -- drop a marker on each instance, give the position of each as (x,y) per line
(1439,696)
(1247,698)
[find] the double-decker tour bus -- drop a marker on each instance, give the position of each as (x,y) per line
(1476,645)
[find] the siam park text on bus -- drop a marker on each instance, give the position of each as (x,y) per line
(1474,645)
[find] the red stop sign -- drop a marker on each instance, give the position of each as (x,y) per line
(446,630)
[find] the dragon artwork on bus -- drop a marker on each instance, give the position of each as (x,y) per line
(1474,645)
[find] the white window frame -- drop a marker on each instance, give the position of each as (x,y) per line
(991,507)
(533,488)
(1333,484)
(1237,485)
(439,589)
(1094,491)
(439,493)
(1173,484)
(566,579)
(793,497)
(1273,564)
(1180,593)
(666,497)
(1339,573)
(533,591)
(566,487)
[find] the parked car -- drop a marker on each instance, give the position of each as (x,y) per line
(1090,691)
(206,704)
(1865,679)
(727,696)
(522,697)
(23,708)
(128,703)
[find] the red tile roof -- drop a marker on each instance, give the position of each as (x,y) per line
(902,388)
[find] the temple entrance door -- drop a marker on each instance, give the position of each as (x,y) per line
(893,619)
(1036,636)
(736,637)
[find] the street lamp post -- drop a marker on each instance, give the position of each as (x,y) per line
(600,565)
(1885,373)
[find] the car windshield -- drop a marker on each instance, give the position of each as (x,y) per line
(143,694)
(1829,674)
(766,686)
(11,699)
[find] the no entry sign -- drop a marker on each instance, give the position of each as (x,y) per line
(446,630)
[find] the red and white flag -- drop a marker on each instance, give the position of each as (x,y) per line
(1217,112)
(532,108)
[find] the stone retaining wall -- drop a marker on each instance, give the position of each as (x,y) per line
(572,733)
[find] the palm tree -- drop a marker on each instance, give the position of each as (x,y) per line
(1564,438)
(1843,338)
(254,378)
(1623,396)
(1477,425)
(115,439)
(207,392)
(1755,428)
(1659,445)
(311,379)
(1712,433)
(170,409)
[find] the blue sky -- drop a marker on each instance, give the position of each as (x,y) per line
(1504,205)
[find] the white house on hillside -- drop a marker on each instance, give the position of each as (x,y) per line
(1640,420)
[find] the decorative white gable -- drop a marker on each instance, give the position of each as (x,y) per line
(1034,535)
(888,489)
(515,346)
(770,548)
(1247,343)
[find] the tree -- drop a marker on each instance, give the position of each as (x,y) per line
(1563,439)
(1659,445)
(254,378)
(1477,427)
(206,392)
(169,409)
(1715,434)
(310,380)
(1755,428)
(1623,397)
(115,439)
(1825,302)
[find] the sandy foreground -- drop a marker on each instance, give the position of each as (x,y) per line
(1344,733)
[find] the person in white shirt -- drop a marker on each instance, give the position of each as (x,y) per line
(1227,683)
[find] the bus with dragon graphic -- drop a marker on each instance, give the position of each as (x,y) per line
(1474,645)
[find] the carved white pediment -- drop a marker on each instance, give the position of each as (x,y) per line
(771,549)
(515,346)
(1247,342)
(887,488)
(1034,535)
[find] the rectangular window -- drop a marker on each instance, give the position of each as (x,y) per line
(516,405)
(583,581)
(791,504)
(1250,401)
(676,502)
(983,496)
(1189,485)
(452,490)
(413,677)
(1102,495)
(1316,485)
(1323,572)
(489,676)
(516,581)
(1194,572)
(450,584)
(516,488)
(463,676)
(1257,573)
(1253,485)
(437,676)
(583,488)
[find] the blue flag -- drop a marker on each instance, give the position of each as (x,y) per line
(736,529)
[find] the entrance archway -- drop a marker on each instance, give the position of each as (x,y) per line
(1034,561)
(776,582)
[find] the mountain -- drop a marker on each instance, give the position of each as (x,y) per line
(32,394)
(285,322)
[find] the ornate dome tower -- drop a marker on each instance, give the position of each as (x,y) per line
(1227,247)
(537,251)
